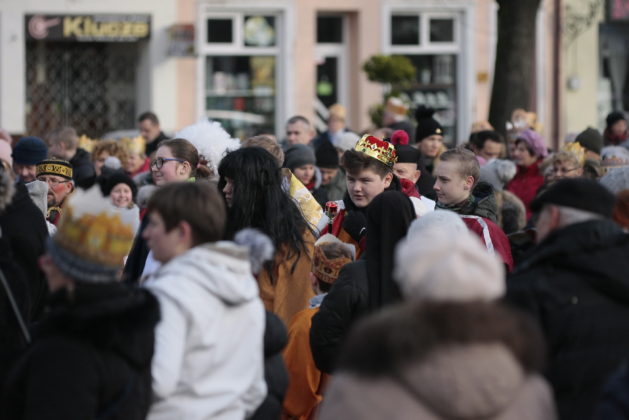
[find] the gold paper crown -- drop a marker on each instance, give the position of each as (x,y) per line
(87,143)
(380,150)
(134,145)
(576,149)
(93,231)
(325,269)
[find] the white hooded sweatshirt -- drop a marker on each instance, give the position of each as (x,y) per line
(209,356)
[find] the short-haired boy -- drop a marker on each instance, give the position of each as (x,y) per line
(458,190)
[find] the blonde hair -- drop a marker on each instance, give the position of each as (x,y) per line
(112,147)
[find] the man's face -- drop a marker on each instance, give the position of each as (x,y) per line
(148,130)
(327,175)
(298,133)
(431,145)
(407,171)
(491,150)
(451,187)
(365,185)
(25,173)
(619,127)
(58,189)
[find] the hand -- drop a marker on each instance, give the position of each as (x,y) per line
(355,224)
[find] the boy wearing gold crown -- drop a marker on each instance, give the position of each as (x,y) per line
(57,174)
(306,382)
(91,354)
(369,169)
(137,162)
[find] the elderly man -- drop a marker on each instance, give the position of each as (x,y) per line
(575,284)
(57,174)
(26,153)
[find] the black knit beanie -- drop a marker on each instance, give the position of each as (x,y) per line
(327,156)
(107,183)
(426,124)
(591,140)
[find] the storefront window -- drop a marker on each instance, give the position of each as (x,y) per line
(219,31)
(430,41)
(240,75)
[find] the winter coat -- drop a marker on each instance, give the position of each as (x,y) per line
(614,402)
(462,361)
(275,374)
(23,224)
(136,260)
(11,336)
(90,359)
(152,146)
(525,184)
(209,344)
(286,290)
(83,172)
(337,188)
(575,284)
(317,190)
(346,302)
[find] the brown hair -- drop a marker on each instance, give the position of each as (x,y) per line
(183,149)
(467,163)
(112,147)
(268,144)
(197,203)
(65,135)
(354,162)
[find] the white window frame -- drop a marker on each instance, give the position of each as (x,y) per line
(463,12)
(280,51)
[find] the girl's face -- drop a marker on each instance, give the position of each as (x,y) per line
(121,195)
(99,162)
(228,191)
(522,155)
(172,169)
(431,146)
(134,162)
(304,173)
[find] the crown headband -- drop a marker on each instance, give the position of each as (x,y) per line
(60,168)
(378,149)
(325,269)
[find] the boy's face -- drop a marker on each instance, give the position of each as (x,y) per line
(365,185)
(451,187)
(407,171)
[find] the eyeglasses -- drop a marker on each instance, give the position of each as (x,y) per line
(52,181)
(560,170)
(159,162)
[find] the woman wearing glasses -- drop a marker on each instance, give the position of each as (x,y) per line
(175,160)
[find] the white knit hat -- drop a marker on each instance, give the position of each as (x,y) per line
(433,263)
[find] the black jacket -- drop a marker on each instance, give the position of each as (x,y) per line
(346,302)
(91,358)
(23,224)
(275,374)
(137,256)
(576,284)
(152,146)
(83,172)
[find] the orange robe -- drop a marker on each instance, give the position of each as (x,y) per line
(306,382)
(288,292)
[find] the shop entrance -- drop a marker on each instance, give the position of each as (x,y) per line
(90,86)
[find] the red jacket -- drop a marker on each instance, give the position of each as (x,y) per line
(492,236)
(525,184)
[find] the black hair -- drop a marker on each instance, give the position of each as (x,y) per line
(148,116)
(259,201)
(479,138)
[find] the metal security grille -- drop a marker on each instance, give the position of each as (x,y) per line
(89,86)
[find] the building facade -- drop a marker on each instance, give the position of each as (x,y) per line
(250,64)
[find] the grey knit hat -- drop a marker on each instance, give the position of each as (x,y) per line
(299,155)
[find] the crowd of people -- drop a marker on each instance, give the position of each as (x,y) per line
(325,275)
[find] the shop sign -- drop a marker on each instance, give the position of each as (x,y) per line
(181,40)
(88,28)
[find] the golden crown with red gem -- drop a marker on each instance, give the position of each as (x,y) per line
(380,150)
